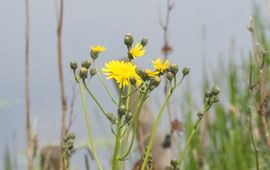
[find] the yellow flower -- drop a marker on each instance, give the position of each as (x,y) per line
(97,49)
(161,67)
(121,72)
(137,51)
(151,73)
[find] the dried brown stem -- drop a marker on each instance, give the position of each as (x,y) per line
(166,49)
(256,148)
(61,77)
(262,90)
(30,144)
(71,110)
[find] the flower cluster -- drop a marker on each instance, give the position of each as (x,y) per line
(130,79)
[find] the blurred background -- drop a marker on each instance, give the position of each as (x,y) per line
(204,35)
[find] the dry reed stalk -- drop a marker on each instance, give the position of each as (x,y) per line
(61,77)
(259,55)
(167,49)
(30,144)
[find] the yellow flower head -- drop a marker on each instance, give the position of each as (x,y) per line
(121,72)
(97,49)
(161,67)
(151,73)
(137,51)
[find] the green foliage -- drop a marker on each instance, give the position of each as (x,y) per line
(227,144)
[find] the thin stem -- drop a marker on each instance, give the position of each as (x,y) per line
(127,130)
(134,125)
(253,141)
(91,142)
(61,78)
(195,127)
(259,55)
(131,93)
(103,84)
(27,91)
(125,155)
(128,97)
(94,98)
(149,147)
(118,135)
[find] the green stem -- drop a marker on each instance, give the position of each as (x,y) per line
(94,98)
(125,155)
(103,84)
(89,127)
(125,140)
(134,124)
(149,147)
(195,127)
(128,97)
(118,136)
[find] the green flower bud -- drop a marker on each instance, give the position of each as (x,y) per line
(129,116)
(142,74)
(86,64)
(122,110)
(174,69)
(174,165)
(111,117)
(128,40)
(185,71)
(215,90)
(208,93)
(83,73)
(155,81)
(93,72)
(73,66)
(170,76)
(144,42)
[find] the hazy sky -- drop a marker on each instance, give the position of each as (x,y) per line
(102,22)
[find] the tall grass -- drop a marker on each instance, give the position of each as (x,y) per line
(227,143)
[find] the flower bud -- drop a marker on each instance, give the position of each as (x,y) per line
(122,110)
(83,73)
(129,116)
(174,69)
(185,71)
(128,40)
(174,165)
(111,117)
(208,93)
(144,42)
(155,81)
(170,76)
(93,72)
(86,63)
(73,66)
(142,74)
(94,55)
(215,90)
